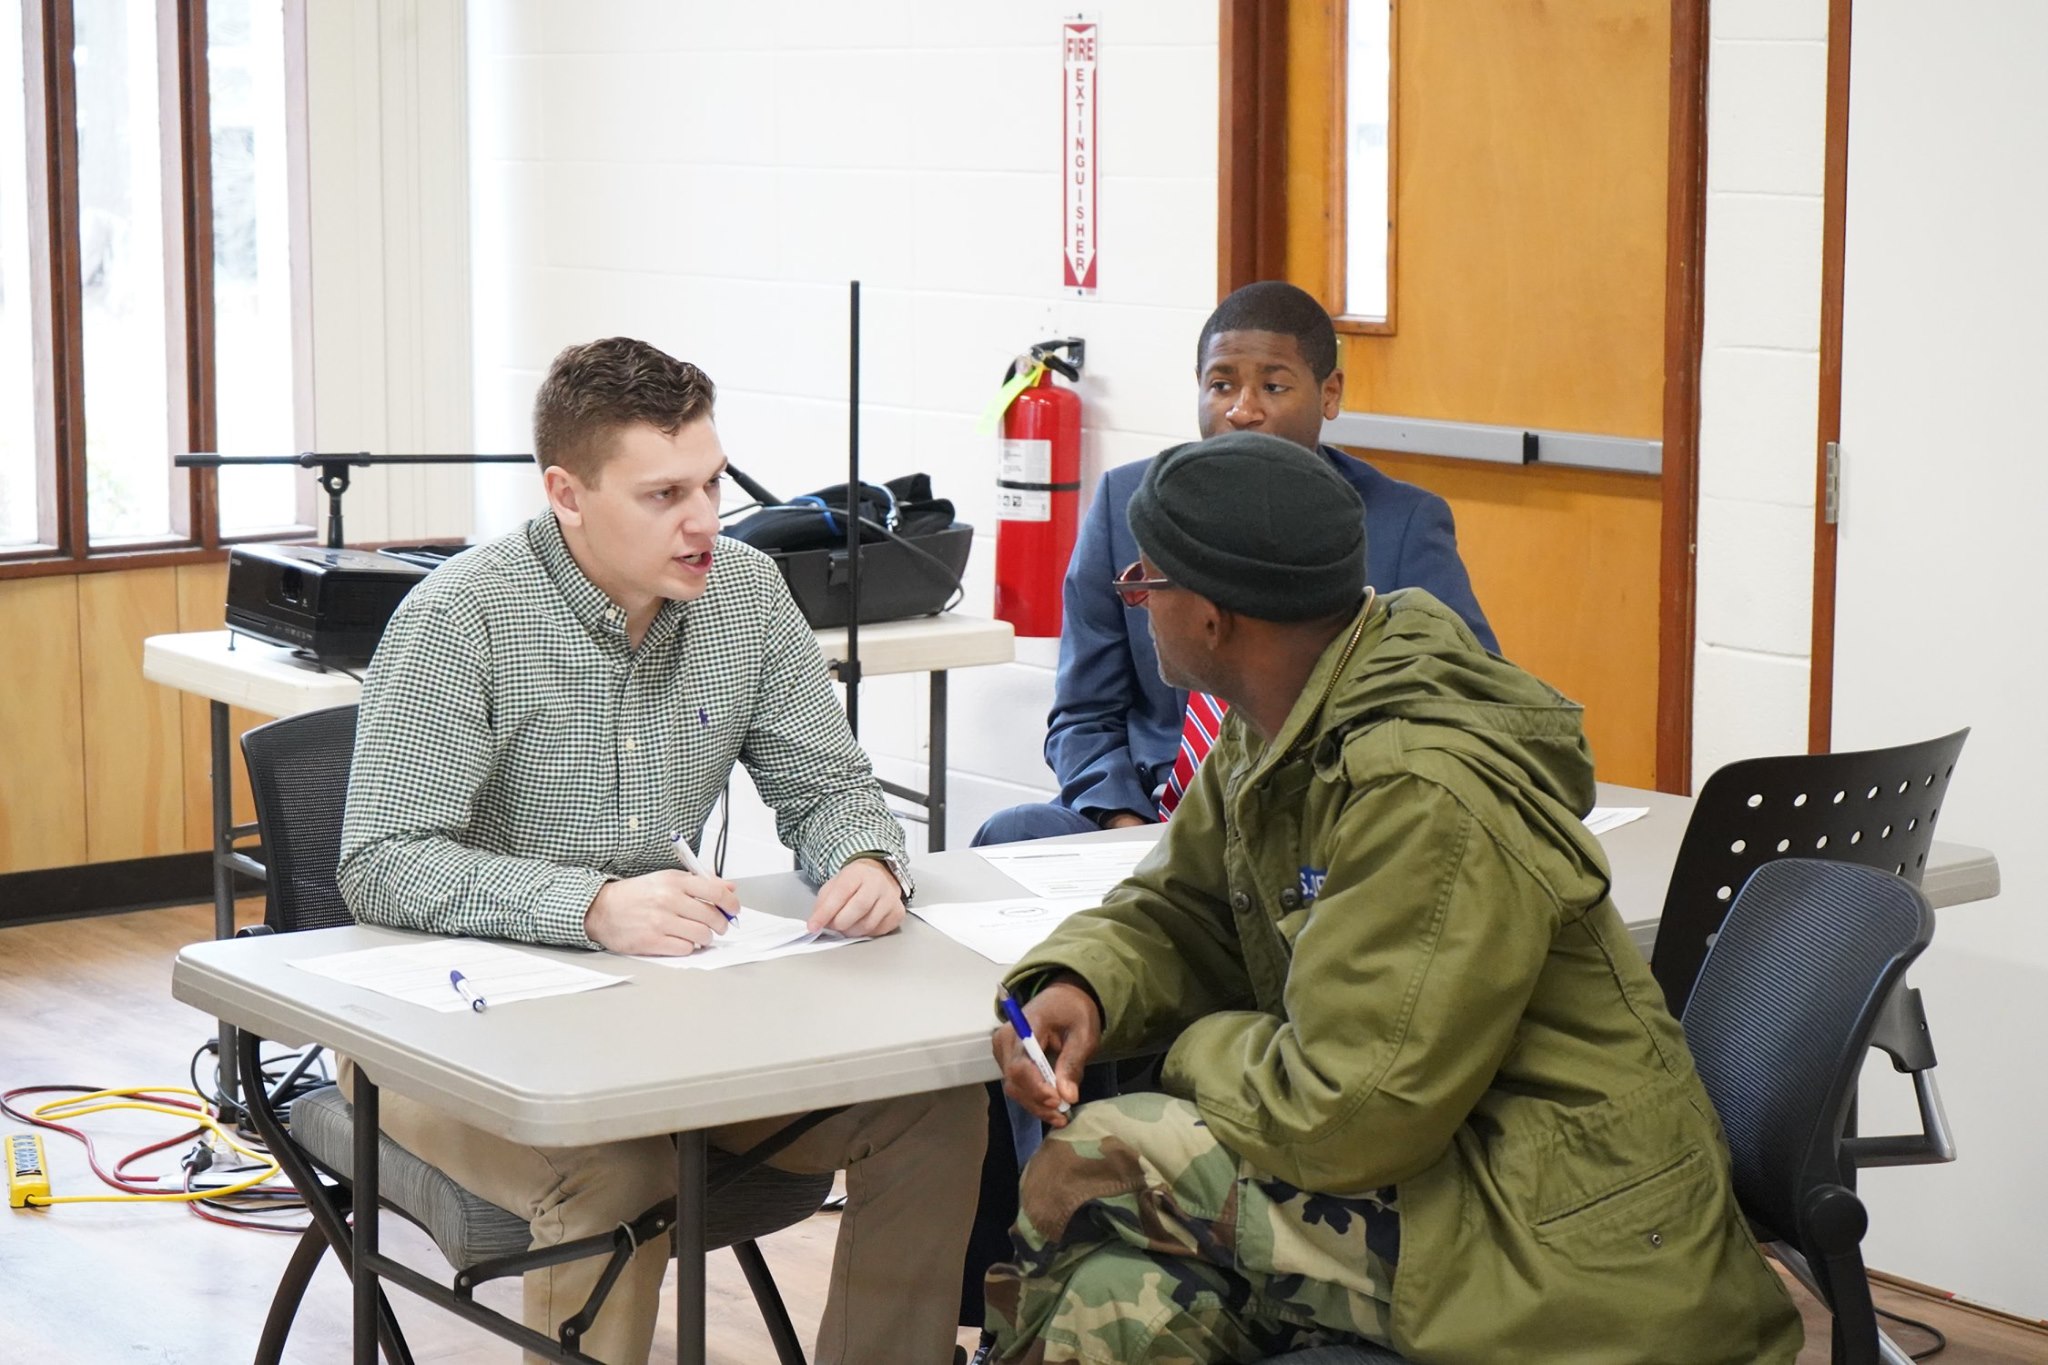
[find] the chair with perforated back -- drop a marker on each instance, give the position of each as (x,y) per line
(298,770)
(1778,1022)
(1876,808)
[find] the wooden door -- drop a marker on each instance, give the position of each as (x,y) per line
(1532,192)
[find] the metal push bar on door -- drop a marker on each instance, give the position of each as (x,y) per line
(1493,444)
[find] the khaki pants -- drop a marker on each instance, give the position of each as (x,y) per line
(912,1171)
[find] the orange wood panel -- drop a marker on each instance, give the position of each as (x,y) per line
(1531,196)
(202,605)
(1530,189)
(42,731)
(134,764)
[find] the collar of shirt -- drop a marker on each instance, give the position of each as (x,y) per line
(604,619)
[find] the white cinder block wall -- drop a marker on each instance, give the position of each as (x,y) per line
(708,177)
(1759,379)
(1970,1227)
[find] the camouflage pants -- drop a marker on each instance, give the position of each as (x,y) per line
(1141,1239)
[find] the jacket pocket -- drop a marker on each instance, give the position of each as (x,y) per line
(1640,1214)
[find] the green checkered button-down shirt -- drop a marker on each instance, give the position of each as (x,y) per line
(514,753)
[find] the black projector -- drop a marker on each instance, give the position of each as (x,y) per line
(330,604)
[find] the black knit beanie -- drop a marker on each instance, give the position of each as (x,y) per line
(1258,525)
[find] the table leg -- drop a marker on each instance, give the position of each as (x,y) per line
(935,778)
(692,1165)
(223,779)
(364,1103)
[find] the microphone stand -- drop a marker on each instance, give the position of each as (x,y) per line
(849,671)
(334,471)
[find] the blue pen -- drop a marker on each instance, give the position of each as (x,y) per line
(1031,1047)
(467,991)
(688,859)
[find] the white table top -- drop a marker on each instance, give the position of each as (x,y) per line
(671,1051)
(676,1050)
(227,666)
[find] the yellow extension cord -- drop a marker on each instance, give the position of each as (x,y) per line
(78,1106)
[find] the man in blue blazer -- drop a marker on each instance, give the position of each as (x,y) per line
(1267,361)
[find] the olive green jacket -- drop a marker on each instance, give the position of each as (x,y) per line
(1382,949)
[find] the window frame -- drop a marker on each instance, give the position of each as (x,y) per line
(1338,270)
(56,299)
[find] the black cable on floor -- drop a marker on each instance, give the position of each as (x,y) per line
(1940,1341)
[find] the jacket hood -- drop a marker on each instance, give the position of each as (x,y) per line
(1416,661)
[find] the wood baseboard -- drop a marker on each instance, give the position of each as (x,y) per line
(1961,1305)
(108,888)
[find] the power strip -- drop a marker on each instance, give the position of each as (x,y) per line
(28,1175)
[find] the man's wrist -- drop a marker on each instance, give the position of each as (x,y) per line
(1069,977)
(1031,987)
(1113,819)
(893,864)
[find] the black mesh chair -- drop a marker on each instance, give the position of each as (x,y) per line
(298,769)
(1876,808)
(1778,1021)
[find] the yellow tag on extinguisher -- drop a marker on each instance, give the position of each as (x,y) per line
(992,415)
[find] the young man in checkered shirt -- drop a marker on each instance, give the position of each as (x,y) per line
(542,712)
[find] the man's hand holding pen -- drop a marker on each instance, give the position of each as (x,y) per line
(669,913)
(1067,1024)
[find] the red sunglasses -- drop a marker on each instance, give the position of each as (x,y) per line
(1134,587)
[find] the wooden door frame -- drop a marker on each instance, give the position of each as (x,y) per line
(1251,152)
(1820,700)
(1251,242)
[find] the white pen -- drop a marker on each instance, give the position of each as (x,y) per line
(688,858)
(467,991)
(1031,1047)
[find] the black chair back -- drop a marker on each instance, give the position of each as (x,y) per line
(298,771)
(1876,807)
(1778,1025)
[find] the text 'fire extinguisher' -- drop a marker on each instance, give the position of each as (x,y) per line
(1038,484)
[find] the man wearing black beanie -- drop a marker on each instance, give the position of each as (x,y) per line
(1121,740)
(1420,1089)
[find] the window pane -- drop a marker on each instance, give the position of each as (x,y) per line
(121,268)
(20,463)
(1367,100)
(252,287)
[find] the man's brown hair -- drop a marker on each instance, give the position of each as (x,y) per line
(594,389)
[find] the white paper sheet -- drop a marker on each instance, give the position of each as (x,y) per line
(756,936)
(1605,818)
(1067,870)
(417,973)
(1002,931)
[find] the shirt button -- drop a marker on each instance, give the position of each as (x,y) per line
(1240,902)
(1290,899)
(631,745)
(632,822)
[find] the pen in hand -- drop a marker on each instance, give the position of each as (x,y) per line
(467,991)
(1031,1047)
(688,858)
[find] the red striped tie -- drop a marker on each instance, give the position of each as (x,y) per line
(1198,731)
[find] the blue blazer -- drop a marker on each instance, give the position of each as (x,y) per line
(1115,727)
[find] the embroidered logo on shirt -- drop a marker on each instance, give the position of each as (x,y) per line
(1312,882)
(703,716)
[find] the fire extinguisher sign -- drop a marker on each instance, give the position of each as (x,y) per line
(1078,100)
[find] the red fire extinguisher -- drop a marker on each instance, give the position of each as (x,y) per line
(1038,486)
